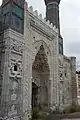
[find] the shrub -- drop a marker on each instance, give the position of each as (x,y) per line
(35,114)
(72,108)
(78,108)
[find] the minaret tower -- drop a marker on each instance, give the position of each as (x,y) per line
(52,14)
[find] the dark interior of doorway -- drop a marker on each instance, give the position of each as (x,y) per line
(34,95)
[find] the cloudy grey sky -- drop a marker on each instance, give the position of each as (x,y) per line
(70,22)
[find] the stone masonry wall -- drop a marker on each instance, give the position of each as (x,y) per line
(12,88)
(37,33)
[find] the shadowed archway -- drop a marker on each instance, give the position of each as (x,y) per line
(40,75)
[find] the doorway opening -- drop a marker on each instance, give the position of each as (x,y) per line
(34,95)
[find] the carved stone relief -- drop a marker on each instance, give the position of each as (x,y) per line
(17,46)
(14,85)
(18,72)
(13,110)
(61,74)
(60,62)
(15,76)
(13,96)
(65,71)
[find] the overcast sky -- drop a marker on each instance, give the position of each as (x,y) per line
(70,24)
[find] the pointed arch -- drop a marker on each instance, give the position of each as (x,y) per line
(39,43)
(41,76)
(36,47)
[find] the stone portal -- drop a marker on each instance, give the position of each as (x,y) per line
(40,81)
